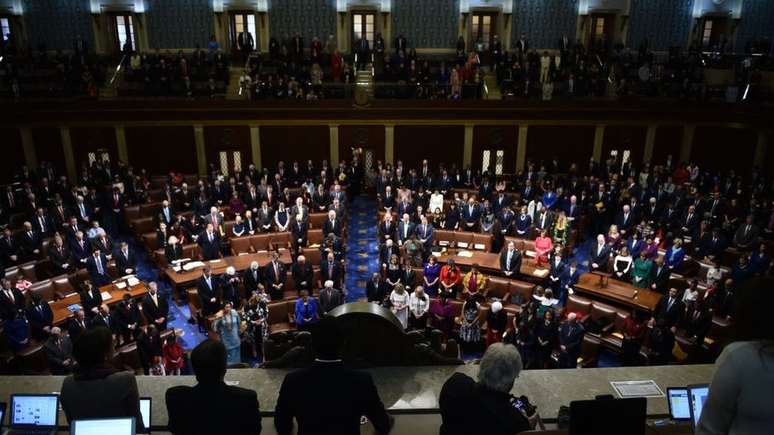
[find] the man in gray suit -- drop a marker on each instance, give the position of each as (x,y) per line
(59,350)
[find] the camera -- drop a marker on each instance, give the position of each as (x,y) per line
(522,404)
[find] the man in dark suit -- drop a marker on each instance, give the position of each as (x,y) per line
(59,351)
(405,229)
(387,228)
(625,220)
(126,262)
(424,233)
(97,265)
(252,278)
(300,231)
(746,235)
(305,394)
(208,288)
(59,256)
(103,243)
(80,250)
(557,268)
(568,281)
(669,309)
(77,325)
(11,300)
(245,44)
(510,261)
(42,223)
(30,243)
(401,43)
(329,297)
(570,339)
(127,315)
(386,252)
(599,255)
(689,223)
(9,248)
(209,243)
(166,214)
(660,276)
(40,316)
(274,275)
(332,225)
(471,213)
(303,275)
(106,320)
(376,289)
(155,307)
(330,269)
(229,409)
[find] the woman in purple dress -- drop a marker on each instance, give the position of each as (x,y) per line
(431,273)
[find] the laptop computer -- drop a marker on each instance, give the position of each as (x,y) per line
(697,396)
(33,414)
(107,426)
(608,416)
(145,411)
(679,406)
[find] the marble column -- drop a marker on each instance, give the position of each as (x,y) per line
(201,155)
(521,148)
(687,145)
(599,137)
(28,145)
(334,144)
(67,147)
(650,143)
(467,150)
(389,144)
(255,145)
(123,150)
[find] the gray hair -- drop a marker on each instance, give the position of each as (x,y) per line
(500,367)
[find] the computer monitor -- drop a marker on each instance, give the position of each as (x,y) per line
(608,416)
(108,426)
(2,413)
(679,406)
(34,411)
(697,395)
(145,411)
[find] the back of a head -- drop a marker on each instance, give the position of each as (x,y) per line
(752,318)
(92,348)
(326,339)
(500,366)
(209,361)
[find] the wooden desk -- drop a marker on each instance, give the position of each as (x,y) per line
(618,292)
(218,267)
(61,313)
(489,262)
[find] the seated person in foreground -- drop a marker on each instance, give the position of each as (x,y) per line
(97,390)
(211,406)
(306,394)
(485,407)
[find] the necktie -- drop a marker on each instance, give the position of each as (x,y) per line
(83,211)
(669,305)
(42,224)
(508,263)
(98,261)
(276,271)
(9,293)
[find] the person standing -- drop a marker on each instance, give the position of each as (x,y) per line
(305,395)
(419,305)
(227,327)
(399,299)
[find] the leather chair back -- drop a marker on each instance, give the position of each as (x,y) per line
(142,225)
(151,241)
(314,236)
(240,245)
(578,304)
(260,242)
(499,288)
(482,242)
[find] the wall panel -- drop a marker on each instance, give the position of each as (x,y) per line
(440,144)
(361,136)
(91,139)
(710,142)
(426,23)
(227,138)
(56,23)
(544,21)
(310,18)
(756,22)
(672,18)
(161,149)
(495,137)
(48,147)
(294,143)
(179,23)
(625,137)
(13,158)
(669,139)
(567,143)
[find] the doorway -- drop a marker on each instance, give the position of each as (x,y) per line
(123,24)
(714,32)
(241,22)
(483,28)
(601,35)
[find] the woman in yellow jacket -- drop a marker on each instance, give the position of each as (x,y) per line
(474,283)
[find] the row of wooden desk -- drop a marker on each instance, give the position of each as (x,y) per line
(62,313)
(613,291)
(218,267)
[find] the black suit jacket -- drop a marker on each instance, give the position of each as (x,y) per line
(8,308)
(210,250)
(206,293)
(660,279)
(305,395)
(40,318)
(515,261)
(123,263)
(333,274)
(376,292)
(674,314)
(74,328)
(152,311)
(303,274)
(89,301)
(251,282)
(601,258)
(229,410)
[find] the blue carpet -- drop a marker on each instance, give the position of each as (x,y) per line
(178,315)
(362,257)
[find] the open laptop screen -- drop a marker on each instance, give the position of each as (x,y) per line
(145,411)
(679,406)
(111,426)
(698,395)
(34,411)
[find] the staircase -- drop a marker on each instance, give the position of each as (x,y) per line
(491,89)
(362,247)
(365,80)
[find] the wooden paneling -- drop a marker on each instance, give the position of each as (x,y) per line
(721,148)
(568,144)
(13,154)
(294,143)
(493,137)
(361,136)
(161,149)
(440,144)
(625,137)
(48,147)
(90,139)
(669,139)
(227,138)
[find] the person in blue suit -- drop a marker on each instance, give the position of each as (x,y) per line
(675,255)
